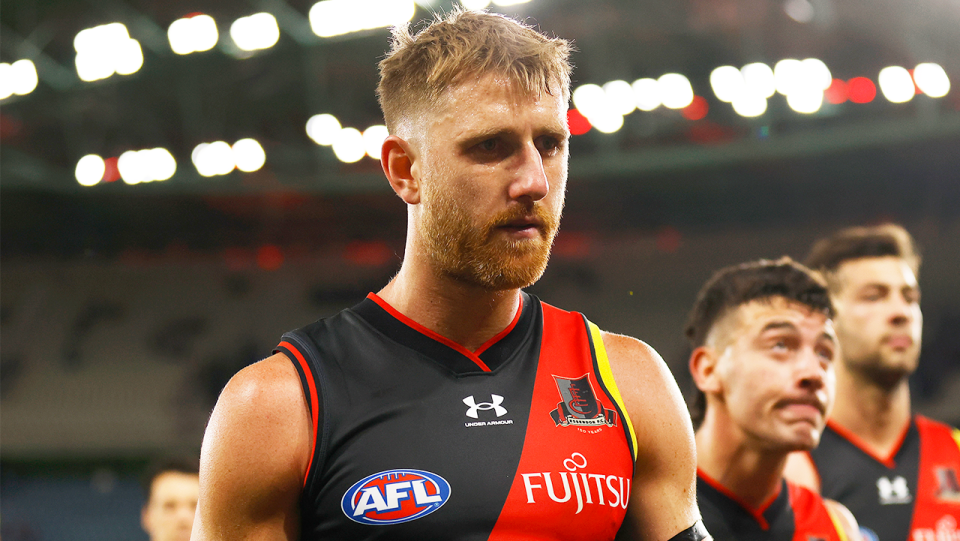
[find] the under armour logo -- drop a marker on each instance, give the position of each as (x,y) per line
(494,405)
(893,492)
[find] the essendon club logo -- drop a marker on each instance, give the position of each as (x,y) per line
(580,406)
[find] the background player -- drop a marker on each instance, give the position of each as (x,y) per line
(896,471)
(357,429)
(763,356)
(171,487)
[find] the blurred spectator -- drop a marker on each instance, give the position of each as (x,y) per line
(171,488)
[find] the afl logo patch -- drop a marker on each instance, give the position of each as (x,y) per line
(395,496)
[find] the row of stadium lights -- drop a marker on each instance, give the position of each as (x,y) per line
(108,49)
(806,85)
(157,164)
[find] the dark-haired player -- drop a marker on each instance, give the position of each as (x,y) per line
(171,488)
(451,404)
(896,472)
(763,355)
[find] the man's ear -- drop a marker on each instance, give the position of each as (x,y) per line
(703,368)
(401,166)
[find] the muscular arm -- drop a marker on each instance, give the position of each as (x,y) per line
(663,495)
(254,457)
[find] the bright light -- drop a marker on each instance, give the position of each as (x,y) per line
(323,129)
(590,100)
(248,155)
(349,145)
(18,78)
(475,4)
(148,165)
(258,31)
(759,79)
(509,2)
(805,101)
(620,97)
(799,10)
(607,123)
(336,17)
(104,50)
(373,140)
(750,105)
(675,90)
(193,34)
(788,75)
(727,83)
(932,80)
(213,158)
(90,170)
(646,92)
(817,73)
(896,84)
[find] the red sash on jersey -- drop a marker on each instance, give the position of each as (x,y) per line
(574,476)
(936,513)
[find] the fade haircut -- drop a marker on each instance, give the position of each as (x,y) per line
(462,44)
(733,286)
(827,254)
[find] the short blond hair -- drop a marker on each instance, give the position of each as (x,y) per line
(421,66)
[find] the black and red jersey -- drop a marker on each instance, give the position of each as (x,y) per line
(795,513)
(419,438)
(911,495)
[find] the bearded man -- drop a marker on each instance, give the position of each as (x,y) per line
(451,404)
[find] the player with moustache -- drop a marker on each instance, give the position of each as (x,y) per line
(896,470)
(764,349)
(451,404)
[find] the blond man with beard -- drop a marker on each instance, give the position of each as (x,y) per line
(896,471)
(451,404)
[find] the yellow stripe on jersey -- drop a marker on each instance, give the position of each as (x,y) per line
(837,523)
(956,436)
(606,374)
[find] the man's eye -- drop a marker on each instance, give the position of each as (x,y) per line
(489,145)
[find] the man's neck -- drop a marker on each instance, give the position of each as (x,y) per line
(467,314)
(876,414)
(751,474)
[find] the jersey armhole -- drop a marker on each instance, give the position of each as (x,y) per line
(610,384)
(310,391)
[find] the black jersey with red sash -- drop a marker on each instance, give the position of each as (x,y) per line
(794,514)
(911,495)
(419,438)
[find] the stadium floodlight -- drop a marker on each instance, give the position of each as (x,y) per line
(750,105)
(90,170)
(104,50)
(758,78)
(255,32)
(337,17)
(727,83)
(193,34)
(788,75)
(323,129)
(806,101)
(148,165)
(590,100)
(932,79)
(675,90)
(646,93)
(248,155)
(213,159)
(620,97)
(373,138)
(509,2)
(475,4)
(608,122)
(349,145)
(896,84)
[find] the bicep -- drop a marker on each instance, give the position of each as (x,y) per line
(254,455)
(663,494)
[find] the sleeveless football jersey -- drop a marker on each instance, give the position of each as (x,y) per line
(794,514)
(911,495)
(419,438)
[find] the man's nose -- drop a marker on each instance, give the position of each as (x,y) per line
(531,178)
(812,369)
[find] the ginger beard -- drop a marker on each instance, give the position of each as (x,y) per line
(476,254)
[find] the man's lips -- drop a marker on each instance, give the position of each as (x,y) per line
(803,404)
(899,341)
